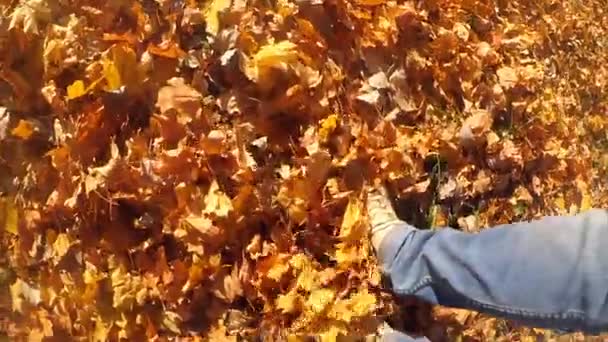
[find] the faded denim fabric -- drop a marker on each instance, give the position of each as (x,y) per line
(550,273)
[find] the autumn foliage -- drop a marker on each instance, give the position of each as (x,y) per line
(195,168)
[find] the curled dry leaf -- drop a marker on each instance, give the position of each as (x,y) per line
(474,128)
(179,96)
(507,77)
(4,121)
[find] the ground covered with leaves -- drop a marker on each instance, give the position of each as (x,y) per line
(195,168)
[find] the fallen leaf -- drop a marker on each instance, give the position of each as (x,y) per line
(328,126)
(320,299)
(28,15)
(61,246)
(289,303)
(507,77)
(212,13)
(203,225)
(76,90)
(9,215)
(167,49)
(24,130)
(474,128)
(22,293)
(216,201)
(353,224)
(179,96)
(370,2)
(111,74)
(4,121)
(272,56)
(171,321)
(100,334)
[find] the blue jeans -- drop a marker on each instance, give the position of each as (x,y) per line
(550,273)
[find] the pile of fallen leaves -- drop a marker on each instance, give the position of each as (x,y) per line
(195,168)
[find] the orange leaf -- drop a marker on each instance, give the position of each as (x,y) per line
(24,129)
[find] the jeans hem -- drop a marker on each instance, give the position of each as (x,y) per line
(509,312)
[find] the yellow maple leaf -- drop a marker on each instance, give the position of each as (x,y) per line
(359,305)
(307,276)
(272,56)
(216,201)
(279,267)
(100,334)
(61,246)
(212,14)
(362,303)
(586,202)
(289,303)
(320,299)
(341,310)
(560,204)
(307,279)
(347,255)
(332,333)
(353,224)
(328,126)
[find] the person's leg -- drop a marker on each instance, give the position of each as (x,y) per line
(396,336)
(549,273)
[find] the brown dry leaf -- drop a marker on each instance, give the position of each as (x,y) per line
(167,49)
(179,96)
(202,224)
(230,287)
(474,128)
(29,15)
(4,121)
(507,77)
(203,157)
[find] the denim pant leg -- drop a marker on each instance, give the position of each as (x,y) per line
(395,336)
(550,273)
